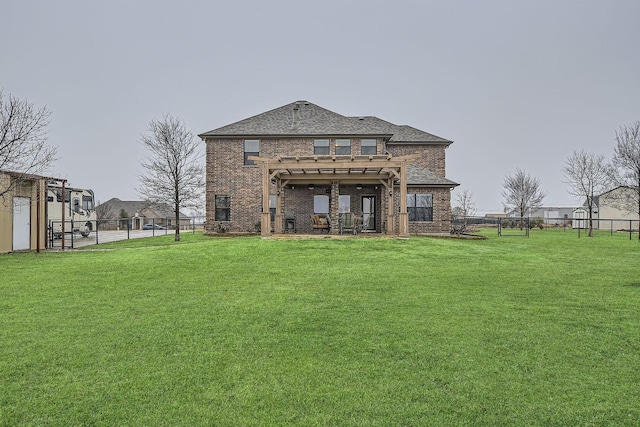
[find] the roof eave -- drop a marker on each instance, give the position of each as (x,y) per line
(448,185)
(442,142)
(300,135)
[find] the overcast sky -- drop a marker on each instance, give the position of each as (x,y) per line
(515,84)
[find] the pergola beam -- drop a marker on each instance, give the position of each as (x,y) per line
(335,169)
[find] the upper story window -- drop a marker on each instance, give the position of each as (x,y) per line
(251,148)
(368,146)
(321,147)
(343,147)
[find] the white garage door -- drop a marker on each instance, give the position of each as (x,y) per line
(21,223)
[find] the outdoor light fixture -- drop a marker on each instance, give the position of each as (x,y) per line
(358,186)
(311,186)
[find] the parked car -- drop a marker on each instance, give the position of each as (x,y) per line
(153,226)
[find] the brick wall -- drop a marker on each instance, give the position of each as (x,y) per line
(227,175)
(432,155)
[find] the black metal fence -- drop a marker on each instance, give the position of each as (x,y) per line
(74,234)
(515,227)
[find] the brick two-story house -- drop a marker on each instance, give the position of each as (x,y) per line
(300,159)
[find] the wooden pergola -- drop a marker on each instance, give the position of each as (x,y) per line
(335,170)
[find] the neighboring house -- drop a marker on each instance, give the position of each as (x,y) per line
(135,214)
(609,211)
(553,214)
(614,206)
(23,221)
(549,214)
(303,159)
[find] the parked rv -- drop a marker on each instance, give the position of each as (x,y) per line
(79,210)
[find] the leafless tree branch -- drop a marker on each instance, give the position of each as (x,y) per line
(465,207)
(23,140)
(625,171)
(174,173)
(523,192)
(587,175)
(104,211)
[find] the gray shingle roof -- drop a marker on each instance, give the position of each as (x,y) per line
(417,175)
(302,118)
(161,210)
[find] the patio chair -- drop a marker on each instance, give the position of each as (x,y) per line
(349,222)
(321,222)
(290,222)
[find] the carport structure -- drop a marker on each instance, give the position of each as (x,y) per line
(385,170)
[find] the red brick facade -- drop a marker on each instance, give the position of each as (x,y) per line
(228,176)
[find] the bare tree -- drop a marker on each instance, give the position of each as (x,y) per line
(588,176)
(625,170)
(23,140)
(523,193)
(464,208)
(174,174)
(104,211)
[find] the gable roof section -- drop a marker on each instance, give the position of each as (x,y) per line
(162,210)
(302,118)
(417,175)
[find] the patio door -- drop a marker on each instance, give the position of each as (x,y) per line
(368,213)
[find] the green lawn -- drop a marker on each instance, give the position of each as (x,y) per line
(241,331)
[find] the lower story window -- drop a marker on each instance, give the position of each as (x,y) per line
(420,207)
(272,207)
(321,204)
(223,208)
(344,203)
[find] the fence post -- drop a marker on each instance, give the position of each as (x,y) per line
(97,231)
